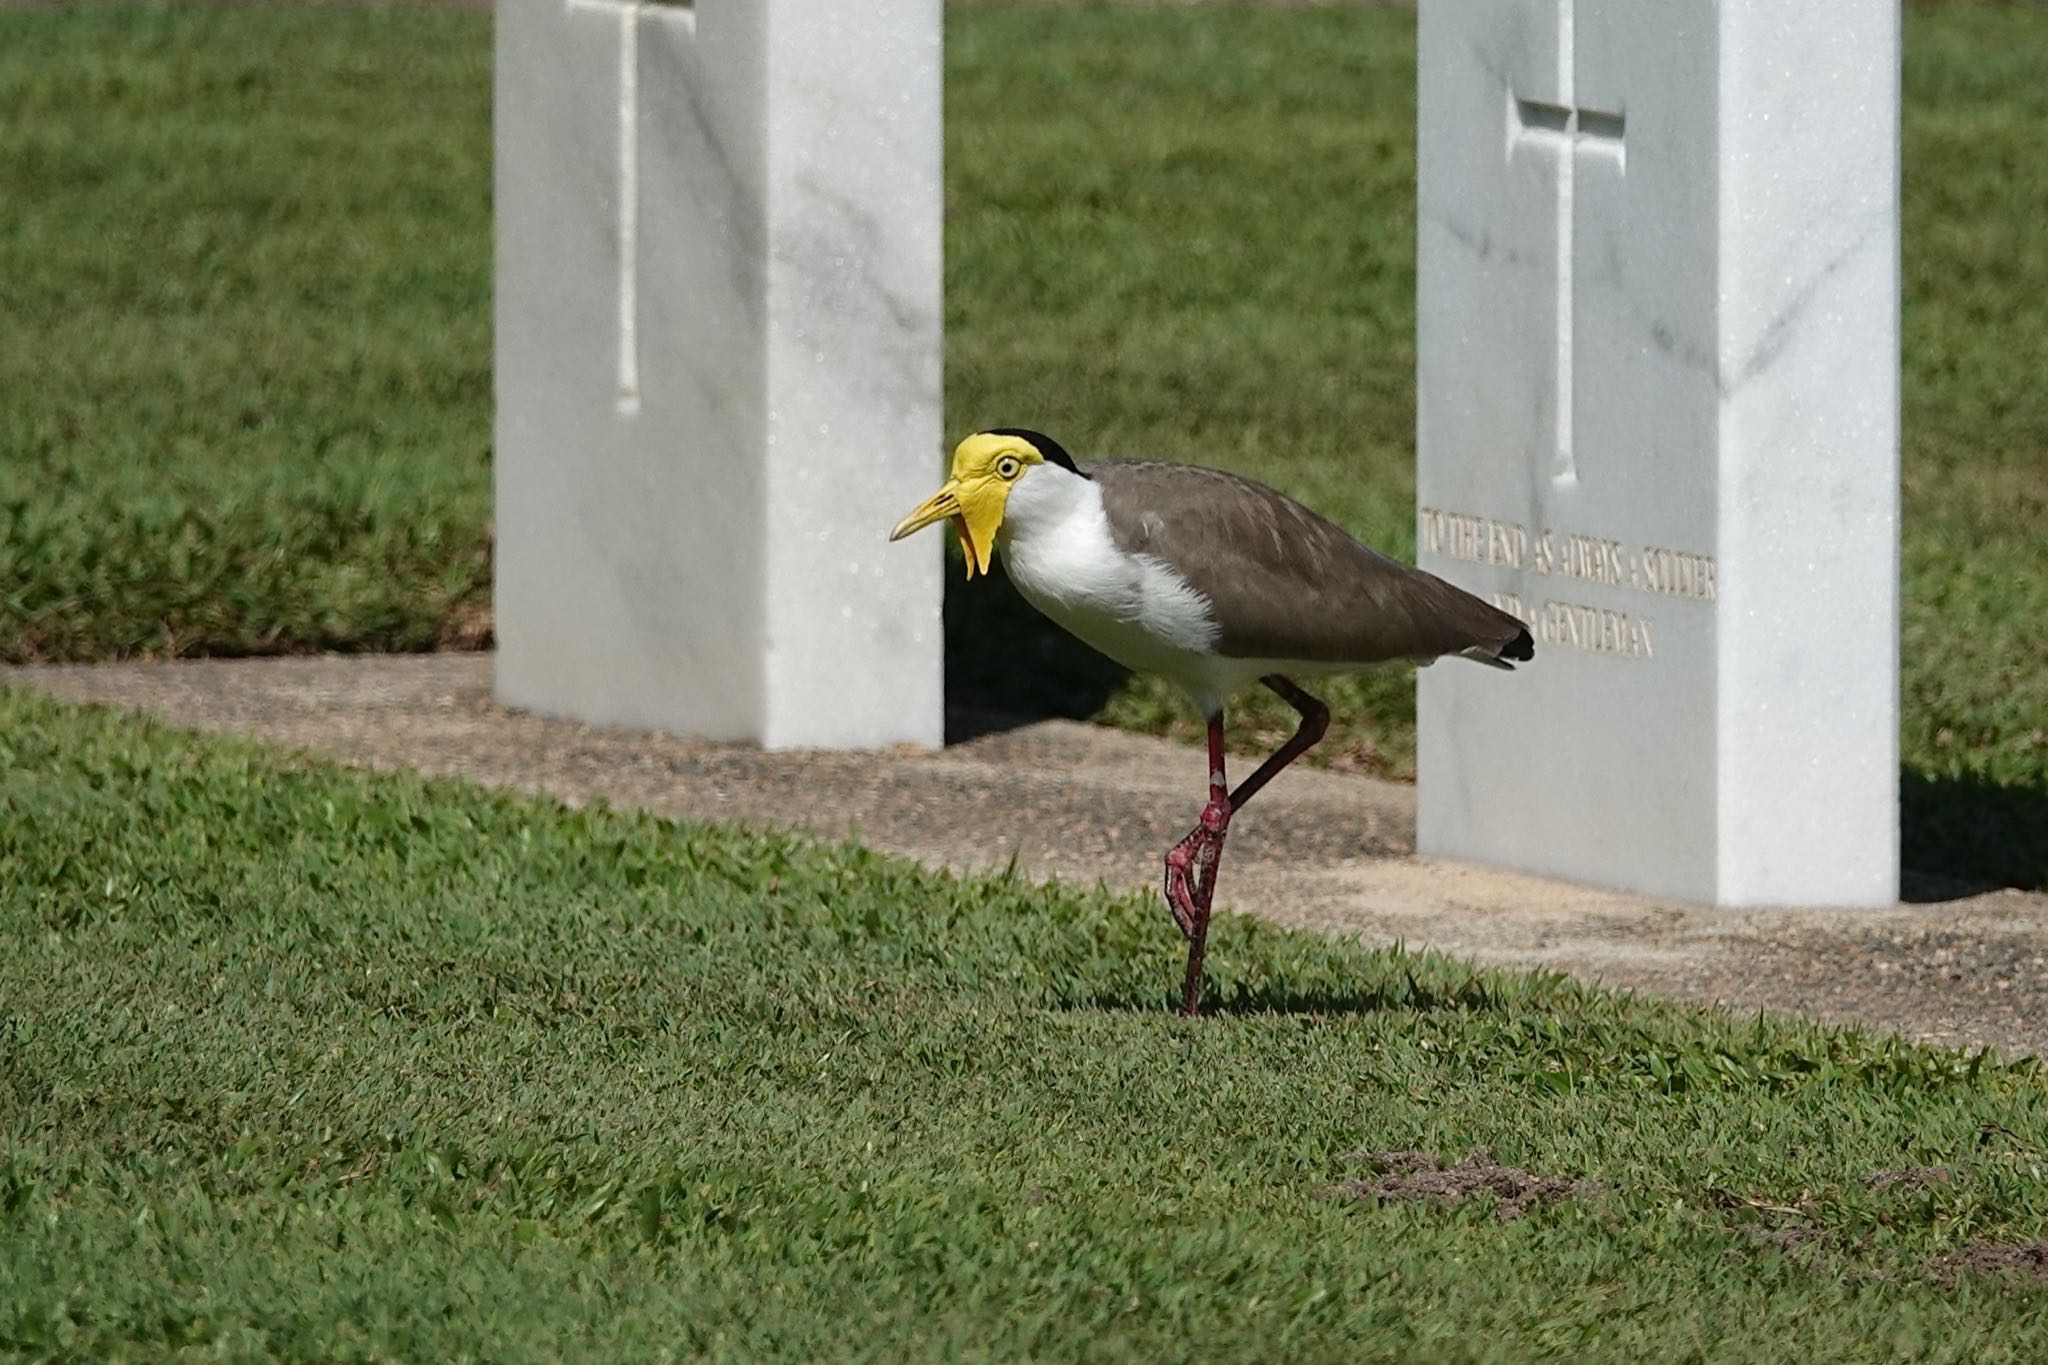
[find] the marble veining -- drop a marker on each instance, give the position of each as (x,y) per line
(1879,231)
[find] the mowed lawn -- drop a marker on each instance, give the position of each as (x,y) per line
(245,274)
(300,1062)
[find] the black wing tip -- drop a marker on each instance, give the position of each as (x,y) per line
(1522,647)
(1053,451)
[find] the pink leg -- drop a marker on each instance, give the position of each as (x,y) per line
(1192,864)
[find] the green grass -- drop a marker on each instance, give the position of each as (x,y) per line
(246,270)
(297,1061)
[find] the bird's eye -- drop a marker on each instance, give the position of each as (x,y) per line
(1009,467)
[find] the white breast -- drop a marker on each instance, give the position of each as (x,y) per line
(1057,549)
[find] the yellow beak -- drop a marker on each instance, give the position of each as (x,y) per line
(939,506)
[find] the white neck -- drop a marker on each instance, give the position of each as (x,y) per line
(1046,497)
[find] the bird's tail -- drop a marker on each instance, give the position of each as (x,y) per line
(1460,624)
(1521,648)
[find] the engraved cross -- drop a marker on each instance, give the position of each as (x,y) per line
(1567,130)
(626,203)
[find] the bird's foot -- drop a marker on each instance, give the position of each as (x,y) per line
(1180,896)
(1190,880)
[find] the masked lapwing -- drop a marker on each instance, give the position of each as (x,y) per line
(1212,581)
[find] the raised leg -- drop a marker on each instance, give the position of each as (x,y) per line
(1192,864)
(1315,719)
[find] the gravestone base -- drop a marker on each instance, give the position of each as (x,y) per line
(718,337)
(1658,421)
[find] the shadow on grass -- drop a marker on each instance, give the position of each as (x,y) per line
(1405,996)
(1007,666)
(1961,835)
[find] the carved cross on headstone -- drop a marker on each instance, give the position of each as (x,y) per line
(1560,126)
(627,205)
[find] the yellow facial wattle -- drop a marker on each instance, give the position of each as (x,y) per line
(981,516)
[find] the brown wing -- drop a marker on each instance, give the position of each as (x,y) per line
(1287,584)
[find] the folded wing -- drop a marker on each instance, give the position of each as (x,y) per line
(1285,583)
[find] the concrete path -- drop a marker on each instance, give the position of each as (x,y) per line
(1317,850)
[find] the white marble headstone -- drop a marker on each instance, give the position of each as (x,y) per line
(1658,420)
(718,352)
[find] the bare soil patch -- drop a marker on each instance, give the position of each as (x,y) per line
(1791,1239)
(1421,1177)
(1907,1178)
(2030,1261)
